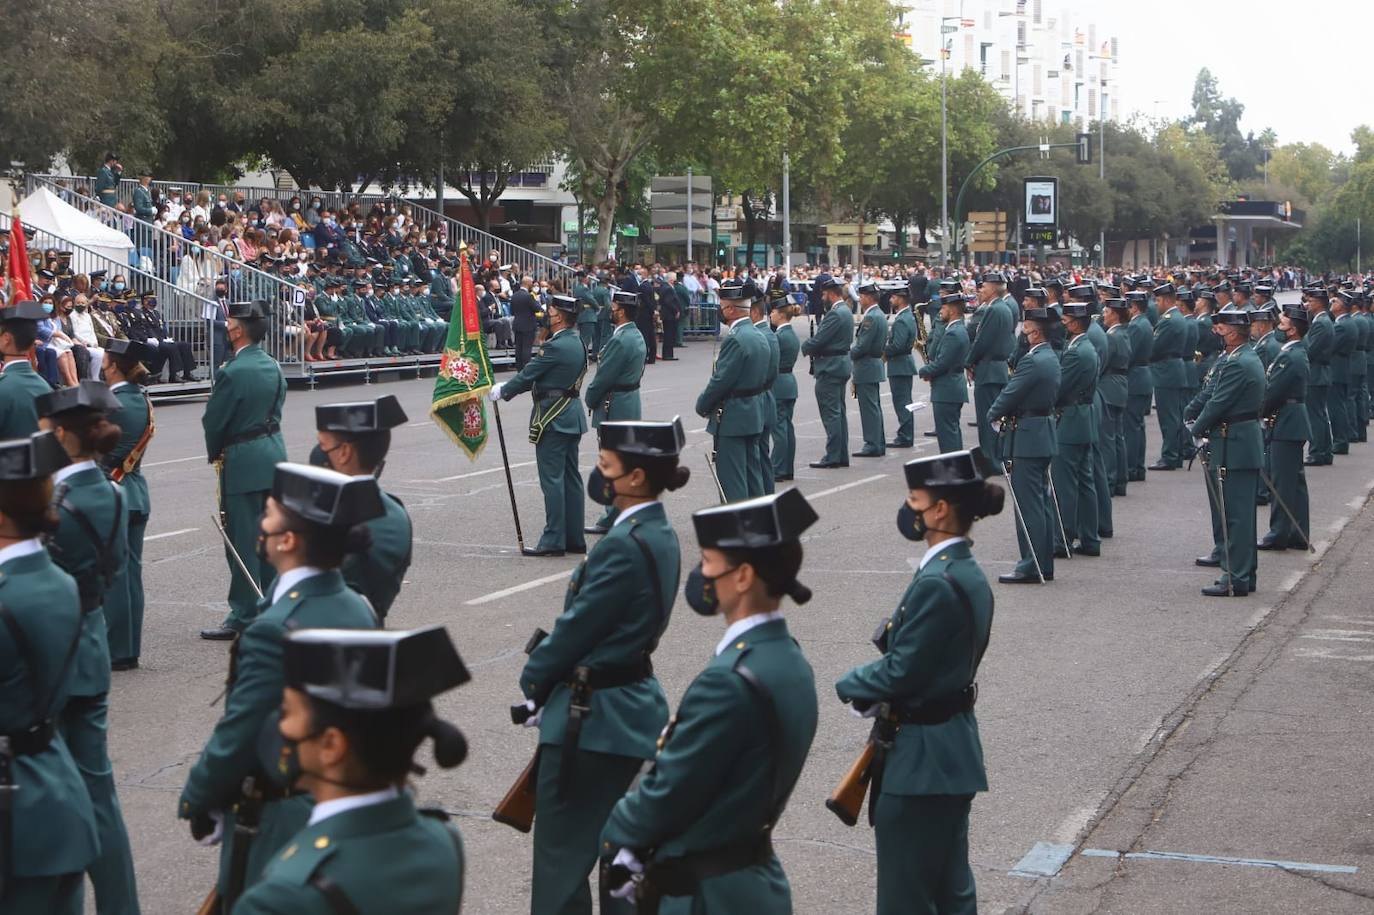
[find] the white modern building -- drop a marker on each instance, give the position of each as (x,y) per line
(1054,65)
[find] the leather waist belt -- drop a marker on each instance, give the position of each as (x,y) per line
(682,876)
(268,791)
(751,392)
(549,393)
(1239,418)
(830,352)
(1024,414)
(256,432)
(1122,372)
(940,709)
(1154,361)
(30,742)
(624,388)
(621,675)
(784,371)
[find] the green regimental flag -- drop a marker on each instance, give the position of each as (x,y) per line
(460,405)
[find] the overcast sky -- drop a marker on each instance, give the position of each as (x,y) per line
(1298,66)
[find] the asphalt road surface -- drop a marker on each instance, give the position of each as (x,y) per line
(1120,710)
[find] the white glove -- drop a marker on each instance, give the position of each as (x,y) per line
(215,837)
(627,859)
(495,393)
(870,712)
(533,720)
(918,405)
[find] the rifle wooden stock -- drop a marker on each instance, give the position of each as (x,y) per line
(516,809)
(211,904)
(847,800)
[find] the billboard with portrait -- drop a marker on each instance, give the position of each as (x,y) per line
(1041,202)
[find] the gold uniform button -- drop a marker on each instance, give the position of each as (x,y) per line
(322,842)
(289,852)
(739,645)
(294,594)
(944,556)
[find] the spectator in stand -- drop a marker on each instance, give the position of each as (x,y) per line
(275,216)
(175,354)
(328,234)
(201,209)
(144,208)
(237,205)
(54,350)
(498,321)
(82,331)
(171,206)
(523,309)
(107,180)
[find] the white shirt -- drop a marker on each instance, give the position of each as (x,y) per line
(620,327)
(20,549)
(70,469)
(631,510)
(117,385)
(1038,345)
(939,547)
(288,580)
(1290,344)
(326,809)
(738,321)
(870,308)
(739,628)
(83,329)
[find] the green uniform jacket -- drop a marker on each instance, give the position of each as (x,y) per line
(54,824)
(247,398)
(1238,390)
(1320,340)
(142,202)
(1113,385)
(1208,344)
(721,776)
(1140,381)
(933,647)
(785,385)
(132,419)
(1190,350)
(770,405)
(1285,389)
(621,364)
(383,857)
(741,365)
(867,351)
(1359,360)
(614,612)
(377,573)
(946,370)
(1346,335)
(992,344)
(829,345)
(1268,346)
(901,337)
(90,493)
(1077,384)
(586,304)
(1167,351)
(106,185)
(1033,388)
(558,367)
(20,385)
(1097,336)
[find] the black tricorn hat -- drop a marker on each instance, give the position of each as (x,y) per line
(27,310)
(39,455)
(1079,310)
(755,523)
(645,437)
(130,348)
(373,669)
(1297,313)
(88,395)
(1165,289)
(1118,304)
(360,416)
(625,299)
(258,308)
(1232,315)
(953,468)
(565,303)
(325,496)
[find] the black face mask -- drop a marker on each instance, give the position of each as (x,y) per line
(280,756)
(601,488)
(911,524)
(700,591)
(260,547)
(319,457)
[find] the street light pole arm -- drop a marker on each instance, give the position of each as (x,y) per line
(959,200)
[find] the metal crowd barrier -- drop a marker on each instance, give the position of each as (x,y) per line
(702,319)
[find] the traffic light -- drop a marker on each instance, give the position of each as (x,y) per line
(896,253)
(1085,149)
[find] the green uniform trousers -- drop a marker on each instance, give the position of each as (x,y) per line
(923,864)
(1359,409)
(59,895)
(1072,472)
(1133,430)
(124,602)
(1029,482)
(871,417)
(830,402)
(900,386)
(1118,466)
(243,513)
(737,466)
(948,434)
(1319,445)
(1237,493)
(983,397)
(83,724)
(564,495)
(1338,409)
(1290,486)
(1169,403)
(763,467)
(567,829)
(784,452)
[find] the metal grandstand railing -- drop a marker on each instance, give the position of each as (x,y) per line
(522,260)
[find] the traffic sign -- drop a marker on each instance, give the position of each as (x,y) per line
(630,231)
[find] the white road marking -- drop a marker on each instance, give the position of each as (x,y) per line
(1290,581)
(1217,859)
(834,489)
(516,589)
(194,457)
(1332,654)
(1338,635)
(184,530)
(475,473)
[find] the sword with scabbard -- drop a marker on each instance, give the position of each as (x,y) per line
(238,560)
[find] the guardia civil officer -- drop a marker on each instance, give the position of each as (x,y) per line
(828,349)
(1186,299)
(50,807)
(697,830)
(1227,415)
(922,691)
(355,708)
(1139,385)
(1113,387)
(1209,343)
(600,708)
(242,424)
(900,363)
(236,793)
(1359,368)
(1265,341)
(732,397)
(1345,335)
(992,338)
(1097,456)
(784,451)
(613,392)
(554,380)
(91,545)
(944,373)
(1077,428)
(1168,376)
(1319,342)
(1285,431)
(758,313)
(123,369)
(586,314)
(19,383)
(1028,445)
(866,354)
(353,438)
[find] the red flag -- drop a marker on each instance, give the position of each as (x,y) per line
(19,270)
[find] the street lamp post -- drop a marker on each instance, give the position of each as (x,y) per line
(944,155)
(1102,170)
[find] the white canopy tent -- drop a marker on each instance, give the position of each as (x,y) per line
(45,211)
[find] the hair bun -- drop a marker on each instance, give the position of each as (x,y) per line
(358,539)
(991,500)
(799,592)
(450,746)
(680,477)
